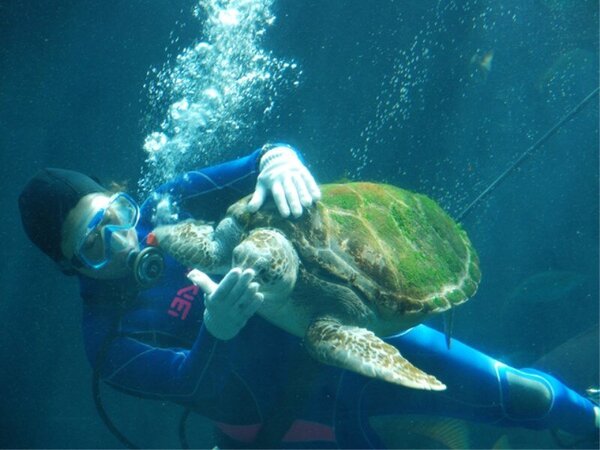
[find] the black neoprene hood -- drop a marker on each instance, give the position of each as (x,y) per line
(45,203)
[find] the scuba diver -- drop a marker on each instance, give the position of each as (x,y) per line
(151,333)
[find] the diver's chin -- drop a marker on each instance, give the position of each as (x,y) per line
(112,272)
(122,261)
(118,267)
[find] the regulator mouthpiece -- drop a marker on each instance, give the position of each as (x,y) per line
(148,266)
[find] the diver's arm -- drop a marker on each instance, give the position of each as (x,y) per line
(238,175)
(144,370)
(275,169)
(208,191)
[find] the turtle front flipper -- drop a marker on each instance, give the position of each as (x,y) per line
(360,350)
(195,244)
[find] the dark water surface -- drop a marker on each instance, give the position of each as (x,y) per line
(431,95)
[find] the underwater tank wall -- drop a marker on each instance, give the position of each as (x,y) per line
(438,97)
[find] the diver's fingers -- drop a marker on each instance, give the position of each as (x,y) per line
(311,184)
(278,194)
(305,197)
(250,301)
(292,197)
(258,198)
(203,281)
(239,289)
(219,298)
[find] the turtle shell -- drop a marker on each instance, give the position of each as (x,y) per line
(399,251)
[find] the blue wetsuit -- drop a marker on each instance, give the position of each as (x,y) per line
(151,343)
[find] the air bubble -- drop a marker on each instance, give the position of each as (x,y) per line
(216,91)
(154,142)
(229,17)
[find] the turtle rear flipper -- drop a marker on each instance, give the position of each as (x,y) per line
(360,350)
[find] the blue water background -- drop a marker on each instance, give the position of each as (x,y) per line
(71,95)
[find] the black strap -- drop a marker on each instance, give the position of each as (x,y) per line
(100,360)
(528,152)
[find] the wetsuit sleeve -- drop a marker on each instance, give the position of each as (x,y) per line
(175,374)
(208,192)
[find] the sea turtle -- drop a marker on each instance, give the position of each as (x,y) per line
(367,260)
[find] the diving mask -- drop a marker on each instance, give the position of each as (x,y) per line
(108,232)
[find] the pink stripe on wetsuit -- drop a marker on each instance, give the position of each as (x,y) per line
(299,431)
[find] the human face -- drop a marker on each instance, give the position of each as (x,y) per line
(99,234)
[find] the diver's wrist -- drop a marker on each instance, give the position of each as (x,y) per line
(273,152)
(219,329)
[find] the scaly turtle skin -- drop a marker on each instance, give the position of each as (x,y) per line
(368,260)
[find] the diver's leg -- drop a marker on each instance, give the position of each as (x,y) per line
(479,388)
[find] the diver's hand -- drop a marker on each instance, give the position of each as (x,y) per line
(229,304)
(287,179)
